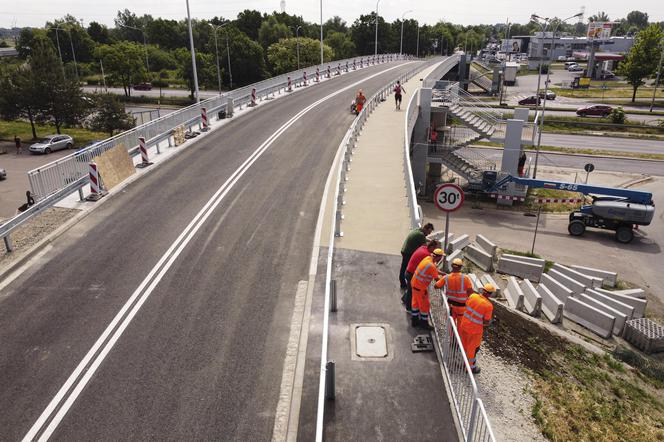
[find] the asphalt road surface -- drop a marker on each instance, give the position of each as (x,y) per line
(603,143)
(203,357)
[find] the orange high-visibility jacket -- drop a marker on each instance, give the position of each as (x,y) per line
(426,272)
(478,310)
(456,285)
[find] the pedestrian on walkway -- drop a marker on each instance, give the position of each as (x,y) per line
(398,89)
(478,314)
(458,287)
(419,254)
(19,146)
(415,238)
(426,271)
(522,163)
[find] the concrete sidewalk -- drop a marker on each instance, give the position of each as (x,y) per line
(401,396)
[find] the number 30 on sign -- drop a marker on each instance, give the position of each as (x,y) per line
(448,197)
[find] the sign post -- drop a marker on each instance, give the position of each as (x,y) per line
(448,198)
(588,168)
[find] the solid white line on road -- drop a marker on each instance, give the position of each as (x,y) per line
(68,393)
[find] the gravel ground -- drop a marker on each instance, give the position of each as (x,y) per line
(33,231)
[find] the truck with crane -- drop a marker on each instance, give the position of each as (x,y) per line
(618,209)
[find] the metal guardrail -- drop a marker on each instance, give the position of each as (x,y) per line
(412,113)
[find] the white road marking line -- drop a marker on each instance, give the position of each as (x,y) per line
(95,356)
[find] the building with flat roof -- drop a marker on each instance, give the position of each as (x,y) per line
(540,47)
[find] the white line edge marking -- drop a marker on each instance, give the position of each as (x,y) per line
(169,257)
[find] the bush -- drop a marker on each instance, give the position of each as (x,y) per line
(545,68)
(617,116)
(92,82)
(159,83)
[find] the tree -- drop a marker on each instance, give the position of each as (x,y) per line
(123,62)
(99,33)
(167,34)
(26,40)
(363,34)
(641,62)
(205,68)
(249,22)
(341,45)
(601,16)
(247,58)
(638,19)
(335,24)
(282,56)
(18,99)
(109,115)
(271,31)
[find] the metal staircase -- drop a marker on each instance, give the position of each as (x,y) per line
(471,111)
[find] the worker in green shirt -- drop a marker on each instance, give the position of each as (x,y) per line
(415,239)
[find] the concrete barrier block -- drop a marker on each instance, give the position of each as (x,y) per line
(632,293)
(575,286)
(560,291)
(488,279)
(620,318)
(514,294)
(638,304)
(458,243)
(529,260)
(532,301)
(587,280)
(440,236)
(523,270)
(478,256)
(486,245)
(626,309)
(608,278)
(552,307)
(449,258)
(476,282)
(588,316)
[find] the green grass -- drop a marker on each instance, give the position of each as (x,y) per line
(624,92)
(22,128)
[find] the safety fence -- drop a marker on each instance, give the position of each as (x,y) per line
(326,379)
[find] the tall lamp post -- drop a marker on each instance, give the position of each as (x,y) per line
(401,44)
(193,56)
(376,39)
(297,44)
(548,76)
(321,34)
(417,51)
(71,43)
(57,40)
(145,44)
(228,55)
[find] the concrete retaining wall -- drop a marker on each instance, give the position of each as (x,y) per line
(458,243)
(552,307)
(532,301)
(639,305)
(522,269)
(486,245)
(575,286)
(514,294)
(587,280)
(588,316)
(608,278)
(488,279)
(481,258)
(619,318)
(560,291)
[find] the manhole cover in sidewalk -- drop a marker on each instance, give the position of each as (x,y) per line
(370,342)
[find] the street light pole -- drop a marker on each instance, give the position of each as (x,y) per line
(193,55)
(145,44)
(401,45)
(417,51)
(57,39)
(376,39)
(297,43)
(216,51)
(228,56)
(321,34)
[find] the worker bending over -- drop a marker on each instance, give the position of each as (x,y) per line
(360,99)
(477,315)
(425,272)
(417,257)
(457,288)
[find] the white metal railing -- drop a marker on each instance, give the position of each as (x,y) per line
(470,412)
(54,176)
(412,113)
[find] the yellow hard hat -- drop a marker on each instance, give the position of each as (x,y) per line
(457,262)
(489,288)
(439,252)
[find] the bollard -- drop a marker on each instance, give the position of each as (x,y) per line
(204,120)
(304,76)
(329,380)
(333,295)
(95,188)
(8,244)
(338,69)
(328,72)
(354,65)
(81,197)
(253,97)
(290,88)
(145,161)
(317,76)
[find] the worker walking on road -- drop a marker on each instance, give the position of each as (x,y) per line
(419,254)
(457,289)
(426,272)
(398,89)
(478,314)
(415,239)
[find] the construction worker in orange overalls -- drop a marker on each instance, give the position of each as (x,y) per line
(457,289)
(425,272)
(478,314)
(360,99)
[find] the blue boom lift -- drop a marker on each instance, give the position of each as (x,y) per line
(612,208)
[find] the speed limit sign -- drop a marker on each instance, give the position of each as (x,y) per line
(448,197)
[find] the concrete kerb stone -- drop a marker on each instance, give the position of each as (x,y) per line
(588,316)
(639,305)
(632,293)
(559,290)
(488,279)
(619,318)
(528,259)
(476,282)
(458,243)
(552,307)
(608,278)
(486,245)
(532,301)
(572,284)
(521,269)
(587,280)
(440,236)
(626,309)
(478,256)
(513,294)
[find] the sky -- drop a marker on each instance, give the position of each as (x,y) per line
(36,12)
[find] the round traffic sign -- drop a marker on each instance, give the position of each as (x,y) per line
(448,197)
(589,167)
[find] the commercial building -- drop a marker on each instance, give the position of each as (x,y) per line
(540,46)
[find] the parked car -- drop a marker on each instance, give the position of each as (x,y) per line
(529,101)
(51,143)
(550,95)
(607,75)
(142,87)
(3,174)
(570,63)
(600,110)
(562,58)
(575,68)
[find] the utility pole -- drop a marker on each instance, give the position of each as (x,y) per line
(401,44)
(193,56)
(297,40)
(417,51)
(321,35)
(376,39)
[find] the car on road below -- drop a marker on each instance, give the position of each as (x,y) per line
(597,110)
(142,87)
(607,75)
(550,95)
(575,68)
(528,101)
(3,174)
(51,143)
(570,63)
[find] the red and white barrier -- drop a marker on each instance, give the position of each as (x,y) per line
(290,86)
(339,69)
(95,188)
(253,97)
(142,148)
(317,76)
(329,74)
(204,120)
(508,197)
(304,77)
(559,200)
